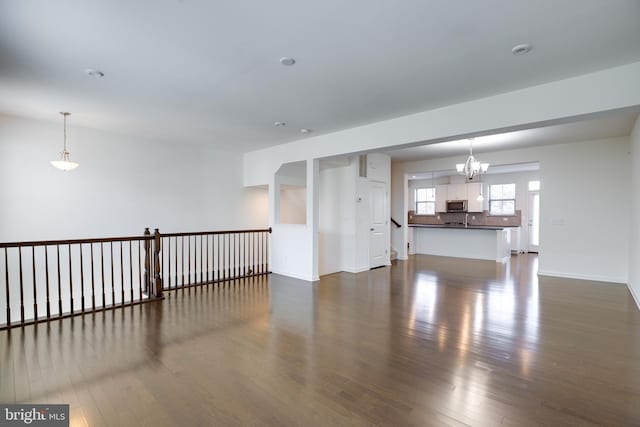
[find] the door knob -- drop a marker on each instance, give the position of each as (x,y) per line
(371,229)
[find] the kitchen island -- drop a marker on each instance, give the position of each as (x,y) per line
(474,241)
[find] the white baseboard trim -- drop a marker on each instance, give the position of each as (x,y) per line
(355,270)
(296,276)
(595,278)
(633,294)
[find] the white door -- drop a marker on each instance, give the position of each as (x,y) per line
(379,225)
(534,221)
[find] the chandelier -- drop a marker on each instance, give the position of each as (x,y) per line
(471,167)
(64,163)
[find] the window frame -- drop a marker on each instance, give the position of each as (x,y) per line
(426,202)
(502,200)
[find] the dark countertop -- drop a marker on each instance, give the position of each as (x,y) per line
(457,226)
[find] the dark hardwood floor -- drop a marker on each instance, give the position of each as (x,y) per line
(430,341)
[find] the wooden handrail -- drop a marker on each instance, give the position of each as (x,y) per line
(207,257)
(73,241)
(75,276)
(204,233)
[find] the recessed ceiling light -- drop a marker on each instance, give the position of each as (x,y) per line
(92,72)
(285,60)
(521,49)
(304,130)
(279,124)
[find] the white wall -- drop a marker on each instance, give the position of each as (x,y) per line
(344,214)
(585,193)
(290,251)
(337,221)
(295,247)
(123,185)
(634,237)
(591,241)
(400,206)
(293,204)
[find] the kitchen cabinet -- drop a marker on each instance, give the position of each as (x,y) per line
(484,244)
(473,191)
(441,198)
(457,192)
(515,239)
(468,192)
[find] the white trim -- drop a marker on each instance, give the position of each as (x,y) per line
(635,297)
(584,95)
(595,278)
(504,258)
(355,270)
(296,276)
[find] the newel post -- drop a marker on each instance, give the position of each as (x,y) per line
(156,264)
(147,261)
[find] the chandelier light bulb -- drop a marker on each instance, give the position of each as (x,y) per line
(471,167)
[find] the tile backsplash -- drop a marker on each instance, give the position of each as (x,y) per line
(480,219)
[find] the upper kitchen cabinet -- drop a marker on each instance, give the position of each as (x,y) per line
(441,198)
(473,191)
(468,192)
(457,192)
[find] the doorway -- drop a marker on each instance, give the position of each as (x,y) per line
(534,221)
(379,225)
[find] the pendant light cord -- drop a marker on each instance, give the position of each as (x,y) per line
(65,131)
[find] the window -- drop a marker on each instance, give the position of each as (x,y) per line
(502,199)
(534,185)
(425,201)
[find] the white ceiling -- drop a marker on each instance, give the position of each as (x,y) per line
(606,126)
(207,71)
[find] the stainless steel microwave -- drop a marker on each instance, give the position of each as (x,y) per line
(456,205)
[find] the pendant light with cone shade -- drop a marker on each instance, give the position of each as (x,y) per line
(64,164)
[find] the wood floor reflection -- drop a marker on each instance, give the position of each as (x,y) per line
(429,341)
